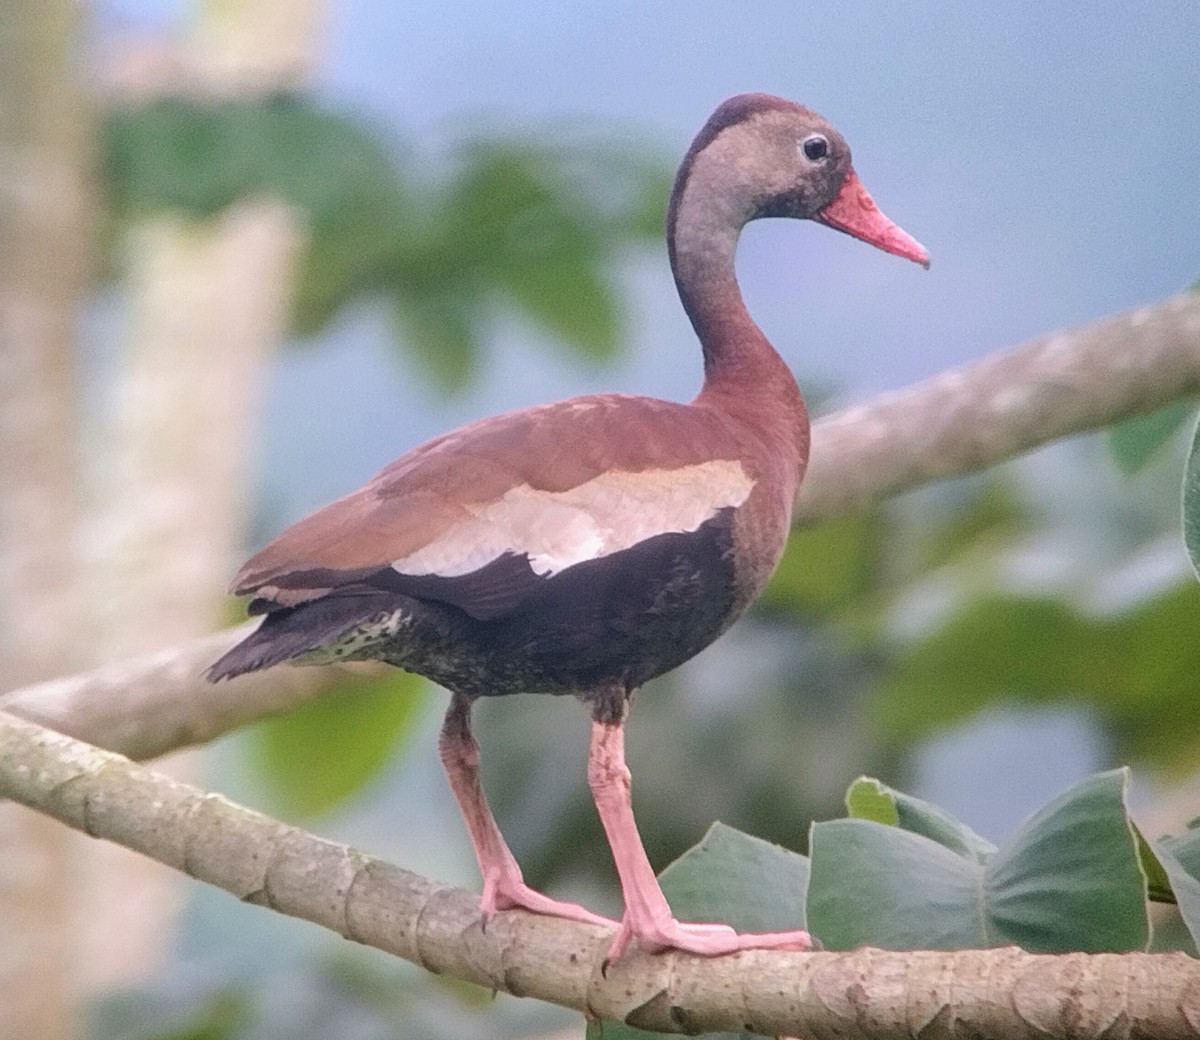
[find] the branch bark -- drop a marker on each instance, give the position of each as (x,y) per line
(157,702)
(1002,993)
(993,409)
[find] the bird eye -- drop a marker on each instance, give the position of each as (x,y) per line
(815,147)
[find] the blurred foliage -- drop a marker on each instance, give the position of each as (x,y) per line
(974,529)
(338,991)
(315,757)
(827,566)
(224,1013)
(1136,670)
(1131,667)
(534,225)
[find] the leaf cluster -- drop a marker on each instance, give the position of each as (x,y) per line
(899,873)
(531,226)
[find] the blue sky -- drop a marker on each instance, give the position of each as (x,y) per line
(1047,155)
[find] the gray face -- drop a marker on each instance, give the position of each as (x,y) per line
(758,156)
(794,160)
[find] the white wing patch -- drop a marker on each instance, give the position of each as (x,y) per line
(557,529)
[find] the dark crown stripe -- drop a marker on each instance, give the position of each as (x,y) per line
(731,112)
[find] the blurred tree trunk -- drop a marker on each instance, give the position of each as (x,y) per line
(167,478)
(207,306)
(207,310)
(44,247)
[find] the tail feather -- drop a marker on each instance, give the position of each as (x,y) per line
(293,631)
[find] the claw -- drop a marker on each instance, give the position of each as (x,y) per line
(509,893)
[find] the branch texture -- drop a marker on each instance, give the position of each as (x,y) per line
(158,702)
(1002,993)
(988,411)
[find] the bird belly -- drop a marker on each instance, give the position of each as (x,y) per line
(620,619)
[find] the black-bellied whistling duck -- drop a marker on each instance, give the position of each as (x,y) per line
(585,546)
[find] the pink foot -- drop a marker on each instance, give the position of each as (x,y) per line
(503,886)
(648,919)
(707,940)
(507,893)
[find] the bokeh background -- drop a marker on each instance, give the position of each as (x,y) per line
(476,202)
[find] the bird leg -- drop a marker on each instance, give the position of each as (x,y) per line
(648,918)
(503,886)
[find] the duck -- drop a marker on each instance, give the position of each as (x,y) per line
(586,546)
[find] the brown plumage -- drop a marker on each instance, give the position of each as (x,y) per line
(586,546)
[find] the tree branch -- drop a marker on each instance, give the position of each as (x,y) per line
(868,993)
(1004,404)
(158,702)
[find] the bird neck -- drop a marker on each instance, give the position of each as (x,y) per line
(742,371)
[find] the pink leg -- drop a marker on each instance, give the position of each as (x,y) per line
(648,918)
(503,886)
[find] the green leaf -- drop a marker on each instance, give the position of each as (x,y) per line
(171,154)
(317,756)
(1074,861)
(1158,881)
(733,878)
(871,884)
(1180,858)
(534,224)
(538,240)
(970,661)
(1069,879)
(570,297)
(871,800)
(1134,442)
(1191,502)
(330,165)
(868,799)
(1142,669)
(356,206)
(198,157)
(739,880)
